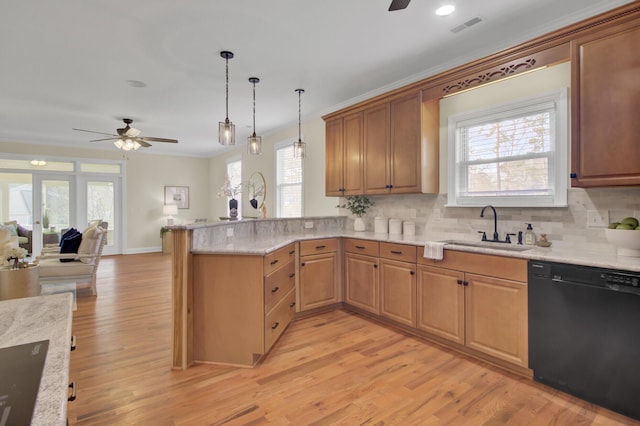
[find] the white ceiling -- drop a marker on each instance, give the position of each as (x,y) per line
(69,64)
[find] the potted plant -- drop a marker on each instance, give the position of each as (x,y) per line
(358,205)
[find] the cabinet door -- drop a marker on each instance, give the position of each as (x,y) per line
(605,105)
(496,318)
(318,283)
(376,150)
(398,291)
(404,148)
(334,152)
(353,155)
(361,282)
(441,302)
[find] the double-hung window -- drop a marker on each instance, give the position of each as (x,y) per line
(288,182)
(512,155)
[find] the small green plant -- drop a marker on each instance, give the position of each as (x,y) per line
(357,204)
(162,231)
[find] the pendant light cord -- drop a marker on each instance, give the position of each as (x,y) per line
(299,116)
(254,109)
(227,89)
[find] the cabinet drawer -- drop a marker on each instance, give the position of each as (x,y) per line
(278,284)
(402,252)
(509,268)
(278,319)
(365,247)
(279,258)
(326,245)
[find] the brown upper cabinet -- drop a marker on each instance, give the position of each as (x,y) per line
(344,153)
(605,105)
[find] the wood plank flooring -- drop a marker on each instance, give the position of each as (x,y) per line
(334,368)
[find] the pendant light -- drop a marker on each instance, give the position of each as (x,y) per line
(299,147)
(226,129)
(254,143)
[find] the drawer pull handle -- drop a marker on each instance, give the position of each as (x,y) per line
(292,252)
(360,247)
(292,304)
(72,397)
(73,343)
(292,275)
(273,262)
(275,325)
(273,290)
(320,247)
(395,252)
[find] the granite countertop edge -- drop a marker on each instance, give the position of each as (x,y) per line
(21,321)
(562,253)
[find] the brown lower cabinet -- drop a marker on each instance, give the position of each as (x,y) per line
(319,273)
(485,309)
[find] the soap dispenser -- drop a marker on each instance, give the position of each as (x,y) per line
(529,235)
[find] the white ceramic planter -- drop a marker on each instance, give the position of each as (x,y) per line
(359,225)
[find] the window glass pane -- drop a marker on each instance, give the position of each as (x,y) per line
(16,198)
(289,183)
(101,205)
(100,168)
(520,177)
(36,164)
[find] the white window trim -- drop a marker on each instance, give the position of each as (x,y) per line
(560,144)
(278,146)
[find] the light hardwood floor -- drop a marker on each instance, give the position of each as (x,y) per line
(333,368)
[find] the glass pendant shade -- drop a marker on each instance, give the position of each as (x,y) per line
(127,144)
(226,133)
(299,147)
(226,129)
(254,143)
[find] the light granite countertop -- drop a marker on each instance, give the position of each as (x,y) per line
(558,252)
(32,319)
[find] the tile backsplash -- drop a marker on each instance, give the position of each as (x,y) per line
(562,225)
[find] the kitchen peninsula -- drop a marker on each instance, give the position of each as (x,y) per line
(238,260)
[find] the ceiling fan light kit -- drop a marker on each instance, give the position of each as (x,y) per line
(226,129)
(299,147)
(254,143)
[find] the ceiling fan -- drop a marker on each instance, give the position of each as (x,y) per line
(128,137)
(398,5)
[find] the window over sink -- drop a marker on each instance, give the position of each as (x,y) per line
(510,155)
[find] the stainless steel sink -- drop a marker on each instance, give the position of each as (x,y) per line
(489,245)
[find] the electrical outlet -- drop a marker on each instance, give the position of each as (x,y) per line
(597,218)
(229,232)
(308,225)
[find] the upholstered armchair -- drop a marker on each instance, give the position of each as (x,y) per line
(25,238)
(80,267)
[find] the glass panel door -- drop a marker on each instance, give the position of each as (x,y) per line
(102,195)
(52,211)
(16,204)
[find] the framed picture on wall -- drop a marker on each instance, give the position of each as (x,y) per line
(178,195)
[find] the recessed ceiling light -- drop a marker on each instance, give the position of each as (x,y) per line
(136,83)
(445,10)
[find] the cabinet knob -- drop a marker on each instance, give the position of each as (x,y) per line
(273,290)
(412,273)
(292,252)
(275,325)
(465,283)
(573,175)
(375,266)
(302,264)
(292,304)
(459,282)
(292,275)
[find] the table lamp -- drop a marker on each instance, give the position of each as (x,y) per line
(170,210)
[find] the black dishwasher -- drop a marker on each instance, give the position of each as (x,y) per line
(584,333)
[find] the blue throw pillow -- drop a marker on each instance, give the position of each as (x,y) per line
(69,233)
(70,245)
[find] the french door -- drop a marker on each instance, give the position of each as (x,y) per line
(100,200)
(54,199)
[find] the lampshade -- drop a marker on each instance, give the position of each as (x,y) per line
(299,147)
(127,144)
(170,209)
(254,143)
(226,129)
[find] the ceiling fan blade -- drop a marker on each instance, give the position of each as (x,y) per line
(152,139)
(92,131)
(105,139)
(398,5)
(143,143)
